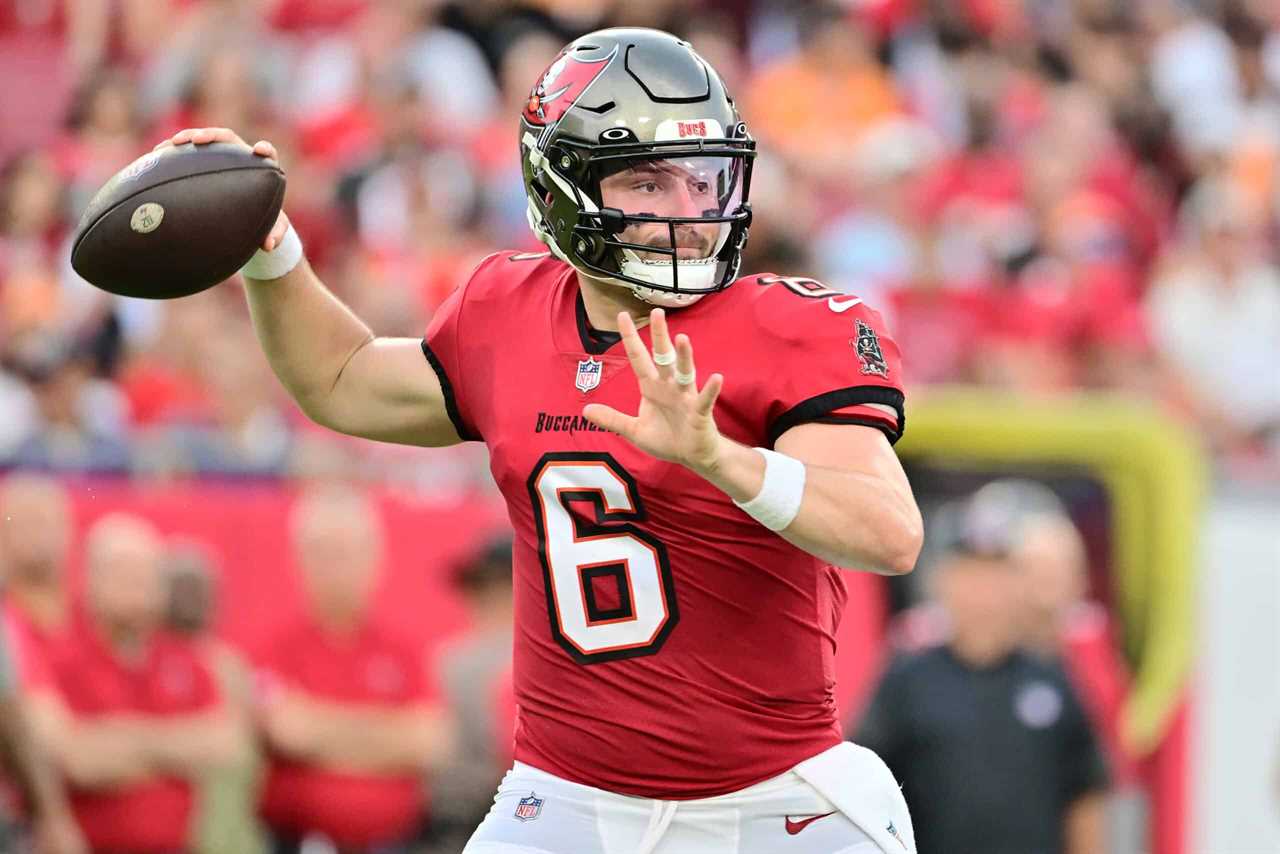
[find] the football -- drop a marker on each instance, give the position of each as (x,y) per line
(178,221)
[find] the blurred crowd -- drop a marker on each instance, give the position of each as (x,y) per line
(1042,196)
(339,736)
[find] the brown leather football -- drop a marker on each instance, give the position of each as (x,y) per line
(178,221)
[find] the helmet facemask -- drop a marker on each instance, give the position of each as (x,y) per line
(668,222)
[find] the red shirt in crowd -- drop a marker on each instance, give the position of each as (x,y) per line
(33,649)
(27,646)
(373,668)
(172,680)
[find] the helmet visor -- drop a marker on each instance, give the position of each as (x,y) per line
(690,200)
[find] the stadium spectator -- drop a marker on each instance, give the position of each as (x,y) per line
(346,713)
(102,133)
(242,431)
(1066,627)
(140,717)
(472,671)
(54,829)
(78,420)
(1194,76)
(874,247)
(1062,624)
(814,105)
(226,796)
(1214,309)
(993,749)
(32,220)
(35,536)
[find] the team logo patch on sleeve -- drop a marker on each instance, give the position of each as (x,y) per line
(588,376)
(867,346)
(529,808)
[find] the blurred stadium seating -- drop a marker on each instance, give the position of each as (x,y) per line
(1068,210)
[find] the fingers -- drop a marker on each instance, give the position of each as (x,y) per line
(637,353)
(663,352)
(669,361)
(204,136)
(608,418)
(686,372)
(277,232)
(710,392)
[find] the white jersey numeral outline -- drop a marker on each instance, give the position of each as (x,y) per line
(576,552)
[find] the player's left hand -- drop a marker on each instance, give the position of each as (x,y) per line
(675,421)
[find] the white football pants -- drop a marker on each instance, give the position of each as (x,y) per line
(843,801)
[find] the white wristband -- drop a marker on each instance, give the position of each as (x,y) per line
(780,495)
(265,266)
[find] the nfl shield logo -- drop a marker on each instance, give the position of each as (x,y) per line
(529,808)
(588,376)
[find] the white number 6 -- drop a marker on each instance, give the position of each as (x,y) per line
(609,588)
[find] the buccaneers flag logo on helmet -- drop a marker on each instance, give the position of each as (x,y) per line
(561,86)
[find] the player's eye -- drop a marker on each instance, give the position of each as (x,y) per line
(645,186)
(701,188)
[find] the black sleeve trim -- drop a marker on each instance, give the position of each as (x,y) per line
(819,409)
(889,433)
(450,402)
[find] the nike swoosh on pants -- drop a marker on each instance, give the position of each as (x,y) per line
(794,827)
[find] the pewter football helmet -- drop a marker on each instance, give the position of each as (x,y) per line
(636,99)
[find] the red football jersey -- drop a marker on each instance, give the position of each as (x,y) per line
(667,645)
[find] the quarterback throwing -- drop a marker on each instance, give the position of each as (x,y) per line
(683,517)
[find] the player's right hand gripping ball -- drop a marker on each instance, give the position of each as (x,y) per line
(178,220)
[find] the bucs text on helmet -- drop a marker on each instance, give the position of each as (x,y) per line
(636,114)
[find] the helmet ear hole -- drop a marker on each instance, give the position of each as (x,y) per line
(540,191)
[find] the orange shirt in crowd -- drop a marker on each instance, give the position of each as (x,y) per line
(373,668)
(810,111)
(172,680)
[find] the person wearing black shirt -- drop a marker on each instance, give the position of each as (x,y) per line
(992,746)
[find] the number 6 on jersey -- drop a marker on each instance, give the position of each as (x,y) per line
(609,588)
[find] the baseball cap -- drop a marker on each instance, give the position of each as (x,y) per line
(991,522)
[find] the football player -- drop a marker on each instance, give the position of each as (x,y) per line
(678,541)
